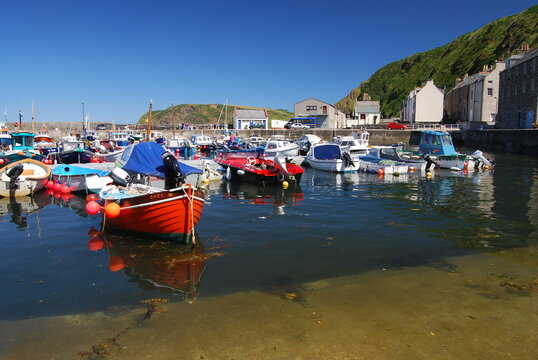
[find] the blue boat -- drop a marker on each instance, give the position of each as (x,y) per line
(76,176)
(22,147)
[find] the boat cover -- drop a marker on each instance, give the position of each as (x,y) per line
(146,159)
(70,170)
(327,152)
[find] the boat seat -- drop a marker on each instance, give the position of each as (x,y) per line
(27,172)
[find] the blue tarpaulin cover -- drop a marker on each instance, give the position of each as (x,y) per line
(327,152)
(146,159)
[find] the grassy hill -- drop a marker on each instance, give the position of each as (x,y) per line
(465,55)
(204,114)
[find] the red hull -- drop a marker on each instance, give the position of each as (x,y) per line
(166,214)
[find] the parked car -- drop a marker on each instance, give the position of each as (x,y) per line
(297,126)
(100,127)
(396,125)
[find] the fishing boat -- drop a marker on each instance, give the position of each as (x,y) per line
(358,143)
(203,143)
(21,147)
(169,213)
(282,148)
(76,177)
(181,145)
(254,168)
(390,153)
(23,177)
(331,157)
(108,151)
(72,151)
(438,144)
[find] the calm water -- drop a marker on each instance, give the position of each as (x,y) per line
(344,266)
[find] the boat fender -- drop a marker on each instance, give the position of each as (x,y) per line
(240,172)
(228,174)
(120,177)
(14,174)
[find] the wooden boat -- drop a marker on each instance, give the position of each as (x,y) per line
(168,214)
(331,157)
(23,177)
(254,168)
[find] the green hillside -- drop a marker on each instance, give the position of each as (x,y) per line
(204,114)
(465,55)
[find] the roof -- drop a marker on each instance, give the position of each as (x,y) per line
(531,54)
(250,114)
(363,107)
(314,99)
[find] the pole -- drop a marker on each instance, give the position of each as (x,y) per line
(20,119)
(83,121)
(148,130)
(32,117)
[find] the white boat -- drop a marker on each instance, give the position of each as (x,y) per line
(358,143)
(23,177)
(282,148)
(390,153)
(331,157)
(77,176)
(204,143)
(374,164)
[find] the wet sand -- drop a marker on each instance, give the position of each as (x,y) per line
(483,306)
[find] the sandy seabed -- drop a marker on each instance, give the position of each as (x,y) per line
(483,306)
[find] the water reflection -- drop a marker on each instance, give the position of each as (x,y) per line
(154,265)
(20,207)
(255,195)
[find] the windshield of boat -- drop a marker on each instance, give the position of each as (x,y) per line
(446,140)
(23,140)
(389,152)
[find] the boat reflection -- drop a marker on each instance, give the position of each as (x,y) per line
(71,201)
(20,207)
(155,265)
(253,194)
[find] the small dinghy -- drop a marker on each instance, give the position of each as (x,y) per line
(23,177)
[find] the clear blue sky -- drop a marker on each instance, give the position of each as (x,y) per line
(116,55)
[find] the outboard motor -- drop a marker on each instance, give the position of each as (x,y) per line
(120,177)
(13,175)
(478,156)
(429,163)
(174,176)
(348,161)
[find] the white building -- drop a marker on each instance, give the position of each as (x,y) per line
(327,116)
(250,119)
(423,104)
(367,112)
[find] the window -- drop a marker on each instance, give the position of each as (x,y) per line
(363,116)
(490,92)
(311,107)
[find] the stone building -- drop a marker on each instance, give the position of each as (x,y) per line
(518,100)
(423,104)
(475,98)
(327,116)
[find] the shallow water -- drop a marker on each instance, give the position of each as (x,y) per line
(344,266)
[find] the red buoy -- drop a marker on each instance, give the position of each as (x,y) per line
(92,197)
(93,208)
(58,186)
(115,263)
(50,185)
(95,244)
(93,232)
(65,189)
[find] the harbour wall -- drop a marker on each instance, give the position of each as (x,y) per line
(523,141)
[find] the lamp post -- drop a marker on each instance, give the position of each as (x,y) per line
(149,120)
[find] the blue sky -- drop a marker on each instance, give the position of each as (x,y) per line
(116,55)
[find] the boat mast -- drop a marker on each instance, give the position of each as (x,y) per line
(33,117)
(149,120)
(83,121)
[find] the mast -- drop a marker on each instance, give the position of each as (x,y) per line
(33,117)
(148,130)
(83,121)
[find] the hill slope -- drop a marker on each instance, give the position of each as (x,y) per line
(465,55)
(204,114)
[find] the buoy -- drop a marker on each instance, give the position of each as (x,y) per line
(50,185)
(57,194)
(115,263)
(1,161)
(112,210)
(92,197)
(66,189)
(93,232)
(428,175)
(93,207)
(411,169)
(205,182)
(380,172)
(58,186)
(67,197)
(285,184)
(95,244)
(485,167)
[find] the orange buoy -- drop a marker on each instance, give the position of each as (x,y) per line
(380,172)
(95,244)
(112,210)
(93,208)
(411,169)
(115,263)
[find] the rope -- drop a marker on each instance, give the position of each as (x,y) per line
(191,203)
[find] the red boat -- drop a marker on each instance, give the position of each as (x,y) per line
(252,167)
(168,214)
